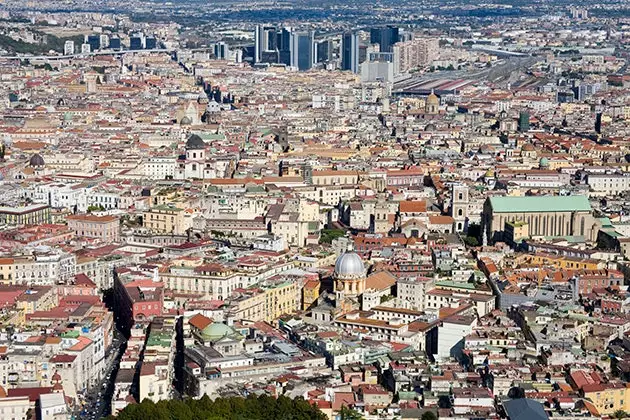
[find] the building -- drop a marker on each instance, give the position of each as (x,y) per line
(150,43)
(302,46)
(385,37)
(165,219)
(94,42)
(350,52)
(136,42)
(68,48)
(104,228)
(221,51)
(114,43)
(265,44)
(324,51)
(414,54)
(35,214)
(547,216)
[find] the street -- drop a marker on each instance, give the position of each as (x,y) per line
(97,401)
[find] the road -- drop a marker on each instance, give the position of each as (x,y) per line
(98,400)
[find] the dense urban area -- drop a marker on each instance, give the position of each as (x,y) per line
(304,210)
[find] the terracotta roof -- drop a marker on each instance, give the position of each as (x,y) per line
(380,280)
(418,206)
(199,321)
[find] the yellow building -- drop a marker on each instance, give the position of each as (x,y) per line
(560,262)
(280,298)
(608,398)
(6,270)
(165,219)
(310,293)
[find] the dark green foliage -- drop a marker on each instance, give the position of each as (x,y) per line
(349,414)
(233,408)
(52,43)
(429,415)
(327,235)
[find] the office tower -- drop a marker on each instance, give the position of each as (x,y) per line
(350,52)
(523,121)
(302,50)
(221,51)
(265,44)
(114,43)
(324,51)
(68,48)
(104,40)
(136,42)
(385,37)
(85,49)
(283,42)
(598,123)
(94,41)
(150,43)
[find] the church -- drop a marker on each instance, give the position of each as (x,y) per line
(354,288)
(195,163)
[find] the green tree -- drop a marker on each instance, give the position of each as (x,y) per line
(349,414)
(429,415)
(620,414)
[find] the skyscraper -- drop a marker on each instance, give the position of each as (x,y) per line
(265,44)
(114,43)
(68,48)
(350,52)
(221,50)
(94,41)
(150,43)
(523,121)
(324,51)
(283,42)
(302,50)
(385,37)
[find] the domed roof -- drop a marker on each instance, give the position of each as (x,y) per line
(202,98)
(185,121)
(218,330)
(195,142)
(528,148)
(429,127)
(36,160)
(490,173)
(433,99)
(544,162)
(349,265)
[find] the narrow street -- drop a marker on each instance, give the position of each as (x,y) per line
(98,399)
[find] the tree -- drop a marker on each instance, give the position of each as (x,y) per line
(233,408)
(429,415)
(620,414)
(349,414)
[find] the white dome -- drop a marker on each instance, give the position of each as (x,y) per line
(349,265)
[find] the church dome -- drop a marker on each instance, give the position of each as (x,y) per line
(218,330)
(202,98)
(544,162)
(433,99)
(349,265)
(429,127)
(195,143)
(36,160)
(528,148)
(185,121)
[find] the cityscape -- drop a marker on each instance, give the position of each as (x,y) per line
(303,210)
